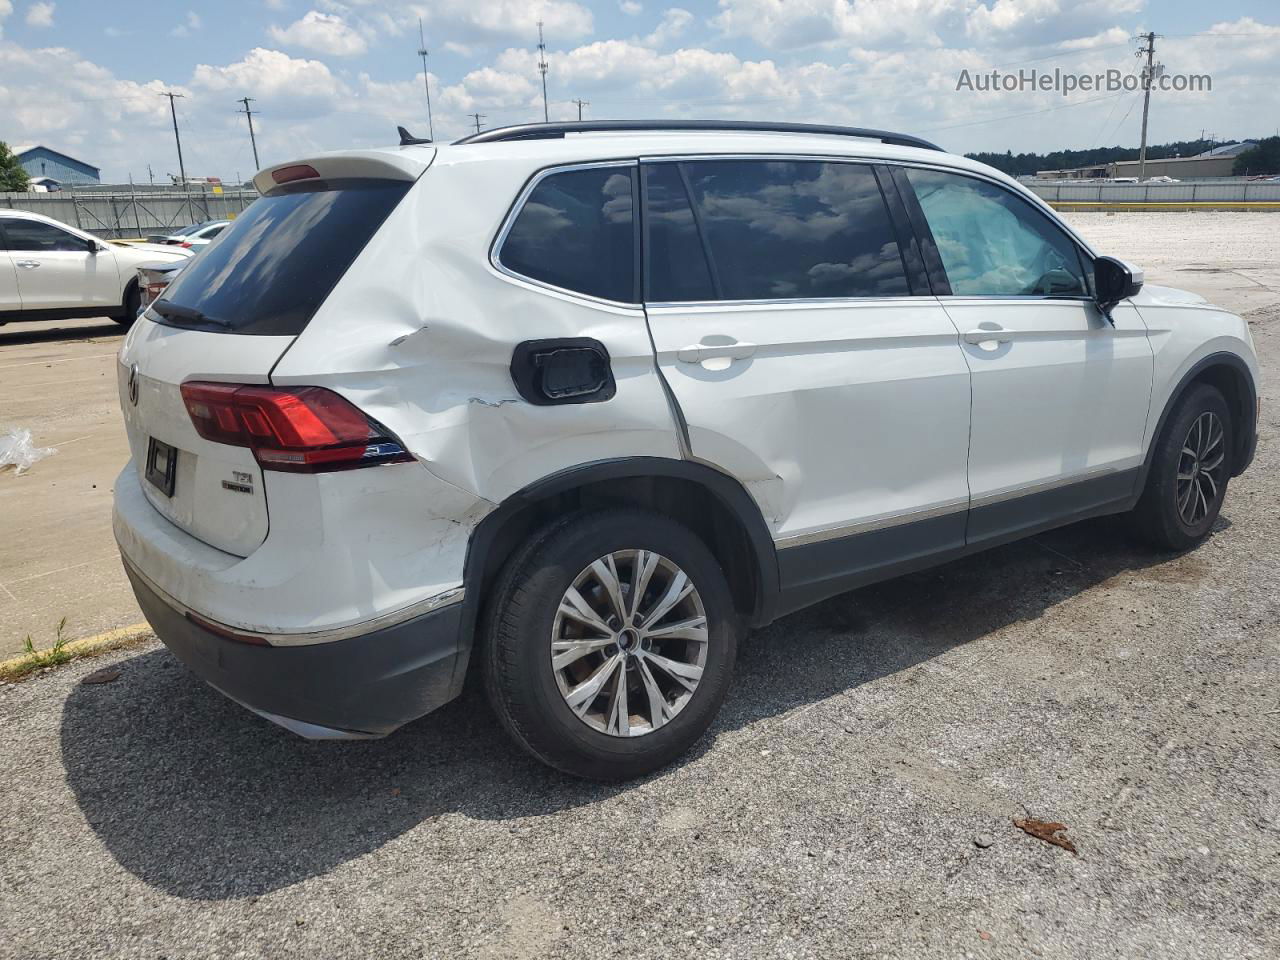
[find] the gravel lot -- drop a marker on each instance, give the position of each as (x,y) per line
(854,800)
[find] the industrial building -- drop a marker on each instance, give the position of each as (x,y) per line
(42,161)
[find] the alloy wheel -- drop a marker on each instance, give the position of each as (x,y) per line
(1201,468)
(629,643)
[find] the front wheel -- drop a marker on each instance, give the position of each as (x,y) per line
(132,304)
(1189,471)
(610,643)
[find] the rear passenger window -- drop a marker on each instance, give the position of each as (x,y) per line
(576,231)
(796,229)
(676,263)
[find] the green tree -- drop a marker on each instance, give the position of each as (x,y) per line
(13,179)
(1264,158)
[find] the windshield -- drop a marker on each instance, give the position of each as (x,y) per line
(274,265)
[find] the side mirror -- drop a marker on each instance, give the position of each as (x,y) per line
(1114,280)
(91,246)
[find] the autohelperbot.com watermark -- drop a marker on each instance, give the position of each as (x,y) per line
(1065,83)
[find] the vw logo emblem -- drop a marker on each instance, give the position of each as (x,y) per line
(133,385)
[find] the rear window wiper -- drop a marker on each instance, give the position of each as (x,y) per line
(175,311)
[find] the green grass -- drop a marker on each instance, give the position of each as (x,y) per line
(40,659)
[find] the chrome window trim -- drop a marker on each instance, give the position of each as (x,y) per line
(793,302)
(495,248)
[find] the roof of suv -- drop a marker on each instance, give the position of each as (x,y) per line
(589,142)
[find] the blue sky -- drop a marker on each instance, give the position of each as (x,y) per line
(85,77)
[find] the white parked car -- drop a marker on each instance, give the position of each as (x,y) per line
(194,236)
(52,271)
(574,405)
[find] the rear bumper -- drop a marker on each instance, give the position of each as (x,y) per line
(366,685)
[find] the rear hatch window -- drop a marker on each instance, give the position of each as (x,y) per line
(274,265)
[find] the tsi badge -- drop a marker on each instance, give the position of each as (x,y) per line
(240,482)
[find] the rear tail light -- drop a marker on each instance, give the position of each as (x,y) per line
(296,429)
(186,244)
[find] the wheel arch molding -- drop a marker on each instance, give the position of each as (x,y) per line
(715,506)
(1232,376)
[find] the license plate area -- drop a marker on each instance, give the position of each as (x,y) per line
(162,466)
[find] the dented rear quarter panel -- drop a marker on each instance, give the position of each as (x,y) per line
(419,334)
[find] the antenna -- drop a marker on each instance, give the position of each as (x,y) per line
(426,79)
(542,69)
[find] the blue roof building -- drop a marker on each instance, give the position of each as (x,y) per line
(41,161)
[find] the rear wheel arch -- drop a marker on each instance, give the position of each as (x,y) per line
(713,505)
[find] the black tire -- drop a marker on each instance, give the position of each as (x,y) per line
(519,677)
(132,303)
(1160,517)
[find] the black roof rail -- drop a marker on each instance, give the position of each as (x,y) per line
(552,131)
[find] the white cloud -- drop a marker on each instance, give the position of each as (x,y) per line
(1107,38)
(476,21)
(6,8)
(40,15)
(1044,21)
(788,24)
(673,24)
(294,87)
(321,33)
(189,26)
(630,7)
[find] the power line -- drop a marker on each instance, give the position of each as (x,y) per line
(542,69)
(173,112)
(1028,113)
(426,79)
(252,140)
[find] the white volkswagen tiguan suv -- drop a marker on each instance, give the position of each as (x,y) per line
(575,405)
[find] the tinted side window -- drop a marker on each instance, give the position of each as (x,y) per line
(796,229)
(576,231)
(994,243)
(37,236)
(676,262)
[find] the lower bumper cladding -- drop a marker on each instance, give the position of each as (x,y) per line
(360,687)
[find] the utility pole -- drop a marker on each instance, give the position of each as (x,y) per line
(581,104)
(542,69)
(477,117)
(252,140)
(426,79)
(1148,75)
(173,112)
(151,176)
